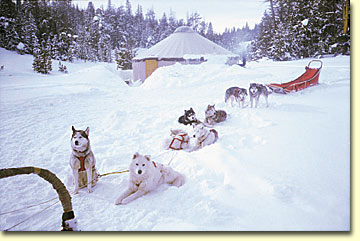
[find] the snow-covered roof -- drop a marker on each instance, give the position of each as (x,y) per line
(184,41)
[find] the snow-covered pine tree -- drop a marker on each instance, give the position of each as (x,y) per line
(262,45)
(150,28)
(42,59)
(139,33)
(9,37)
(164,29)
(304,28)
(29,30)
(62,68)
(124,57)
(210,32)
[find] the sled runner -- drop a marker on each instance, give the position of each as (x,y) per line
(309,78)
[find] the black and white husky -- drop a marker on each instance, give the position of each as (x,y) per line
(188,118)
(82,160)
(255,91)
(236,94)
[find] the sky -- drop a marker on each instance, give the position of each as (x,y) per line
(221,13)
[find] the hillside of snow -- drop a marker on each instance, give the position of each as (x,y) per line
(286,167)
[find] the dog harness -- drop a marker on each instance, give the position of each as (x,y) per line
(82,163)
(213,131)
(181,139)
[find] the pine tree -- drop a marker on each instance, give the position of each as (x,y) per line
(29,30)
(124,57)
(210,32)
(62,68)
(150,28)
(42,60)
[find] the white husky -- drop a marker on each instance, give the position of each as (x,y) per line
(204,136)
(145,176)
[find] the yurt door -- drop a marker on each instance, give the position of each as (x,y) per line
(150,66)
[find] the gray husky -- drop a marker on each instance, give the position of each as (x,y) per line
(82,161)
(236,94)
(213,116)
(255,91)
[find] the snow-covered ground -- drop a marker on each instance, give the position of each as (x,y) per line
(286,167)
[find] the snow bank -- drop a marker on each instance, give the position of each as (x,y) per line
(285,167)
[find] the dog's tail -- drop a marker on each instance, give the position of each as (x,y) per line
(215,133)
(270,90)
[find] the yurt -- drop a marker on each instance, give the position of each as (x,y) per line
(184,46)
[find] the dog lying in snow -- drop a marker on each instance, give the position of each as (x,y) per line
(146,176)
(188,118)
(204,136)
(179,140)
(213,116)
(82,161)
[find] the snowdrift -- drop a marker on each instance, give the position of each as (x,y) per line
(280,168)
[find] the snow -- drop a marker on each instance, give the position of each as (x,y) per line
(286,167)
(305,22)
(20,46)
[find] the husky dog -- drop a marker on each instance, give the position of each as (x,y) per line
(82,160)
(255,91)
(204,136)
(179,140)
(146,176)
(237,94)
(213,116)
(188,118)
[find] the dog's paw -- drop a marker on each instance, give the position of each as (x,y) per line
(179,181)
(125,201)
(118,201)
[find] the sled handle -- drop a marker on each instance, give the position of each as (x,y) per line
(315,60)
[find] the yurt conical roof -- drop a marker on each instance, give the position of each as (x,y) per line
(184,41)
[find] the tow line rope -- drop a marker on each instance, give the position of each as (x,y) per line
(33,215)
(155,157)
(102,175)
(31,206)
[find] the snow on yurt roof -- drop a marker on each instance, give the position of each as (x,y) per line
(184,41)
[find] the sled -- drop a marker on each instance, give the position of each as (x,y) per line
(307,79)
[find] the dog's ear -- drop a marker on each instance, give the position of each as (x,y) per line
(135,155)
(73,129)
(147,157)
(191,109)
(87,130)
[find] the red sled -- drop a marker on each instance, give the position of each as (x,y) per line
(309,78)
